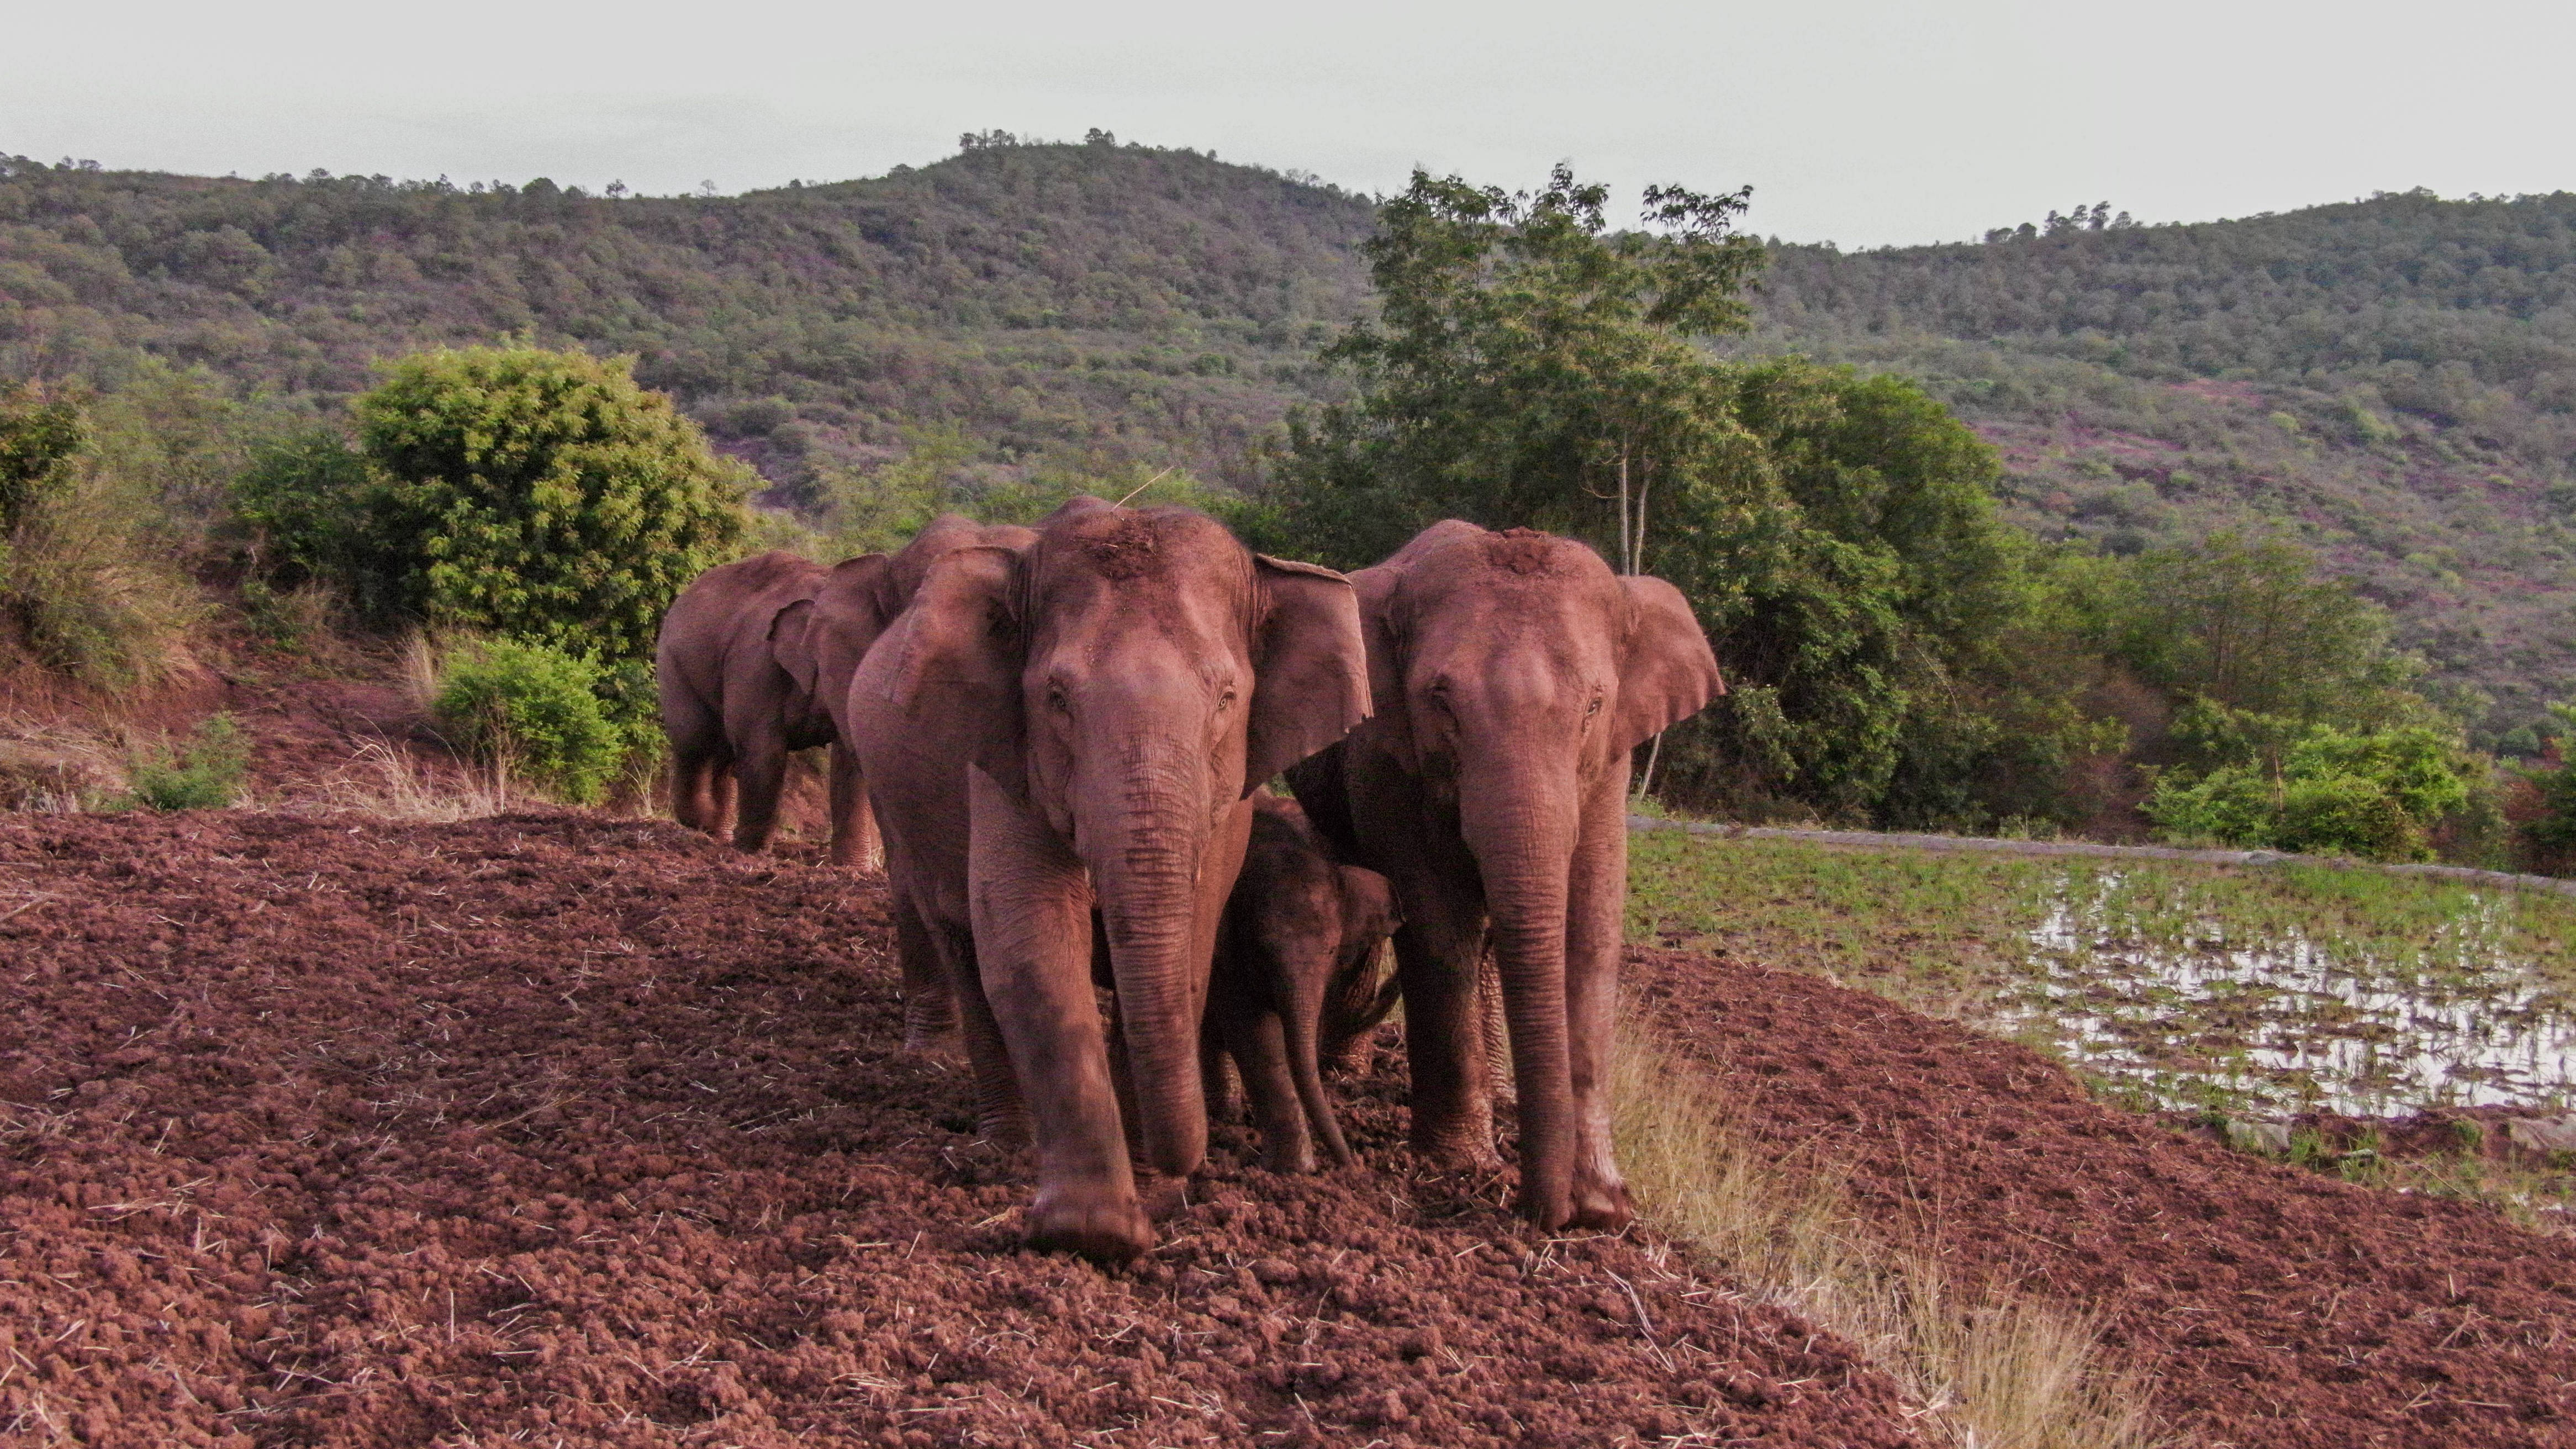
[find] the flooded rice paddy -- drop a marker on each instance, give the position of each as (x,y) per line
(2249,990)
(2219,1015)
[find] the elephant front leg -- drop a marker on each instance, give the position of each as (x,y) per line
(760,775)
(1031,904)
(1595,912)
(1436,958)
(854,826)
(929,1002)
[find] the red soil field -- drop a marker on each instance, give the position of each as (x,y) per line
(560,1129)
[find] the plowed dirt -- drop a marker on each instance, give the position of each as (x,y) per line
(565,1130)
(2273,1306)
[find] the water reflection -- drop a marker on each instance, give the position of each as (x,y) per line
(2286,1023)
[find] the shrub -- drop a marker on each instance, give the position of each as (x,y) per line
(90,592)
(2272,782)
(2348,815)
(534,712)
(205,775)
(304,501)
(537,495)
(38,438)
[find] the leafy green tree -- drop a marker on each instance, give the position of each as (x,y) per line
(541,495)
(1527,363)
(2253,626)
(1835,532)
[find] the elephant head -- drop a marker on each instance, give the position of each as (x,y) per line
(1513,674)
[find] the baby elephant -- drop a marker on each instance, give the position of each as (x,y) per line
(1295,978)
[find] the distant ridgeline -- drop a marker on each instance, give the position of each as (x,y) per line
(1097,302)
(2391,381)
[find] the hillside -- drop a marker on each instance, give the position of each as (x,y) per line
(1092,303)
(2392,381)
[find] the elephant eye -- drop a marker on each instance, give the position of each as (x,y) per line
(1225,701)
(1056,700)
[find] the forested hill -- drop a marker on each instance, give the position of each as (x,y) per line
(1095,302)
(2392,381)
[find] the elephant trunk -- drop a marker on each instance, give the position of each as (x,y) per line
(1523,836)
(1144,867)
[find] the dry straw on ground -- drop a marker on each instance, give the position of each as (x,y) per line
(384,781)
(1994,1371)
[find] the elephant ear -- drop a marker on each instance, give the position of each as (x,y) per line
(850,611)
(956,667)
(1310,669)
(1667,672)
(794,640)
(1382,627)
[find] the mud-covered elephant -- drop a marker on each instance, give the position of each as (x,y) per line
(747,678)
(1512,673)
(1295,978)
(1059,740)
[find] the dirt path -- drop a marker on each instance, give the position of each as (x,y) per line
(2275,1307)
(573,1130)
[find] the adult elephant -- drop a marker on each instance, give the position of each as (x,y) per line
(754,663)
(1512,673)
(1101,703)
(740,669)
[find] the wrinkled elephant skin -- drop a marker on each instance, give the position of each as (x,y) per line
(1100,701)
(1513,673)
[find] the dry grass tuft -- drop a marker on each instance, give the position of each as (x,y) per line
(383,781)
(1995,1371)
(57,771)
(416,671)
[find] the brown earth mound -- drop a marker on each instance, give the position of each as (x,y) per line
(563,1130)
(2274,1307)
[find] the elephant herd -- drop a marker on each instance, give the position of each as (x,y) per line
(1062,735)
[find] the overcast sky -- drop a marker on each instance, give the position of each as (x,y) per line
(1864,122)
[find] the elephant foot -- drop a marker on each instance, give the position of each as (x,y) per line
(1290,1159)
(865,862)
(1457,1151)
(930,1033)
(1091,1223)
(1004,1129)
(1601,1206)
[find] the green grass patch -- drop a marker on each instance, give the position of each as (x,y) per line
(2181,985)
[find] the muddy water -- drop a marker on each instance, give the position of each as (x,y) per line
(2200,1018)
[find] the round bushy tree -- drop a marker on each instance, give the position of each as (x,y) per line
(542,496)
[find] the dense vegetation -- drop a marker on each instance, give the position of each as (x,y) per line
(1093,302)
(1897,653)
(2391,382)
(1932,623)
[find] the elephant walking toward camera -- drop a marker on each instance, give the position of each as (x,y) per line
(1512,674)
(1059,739)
